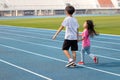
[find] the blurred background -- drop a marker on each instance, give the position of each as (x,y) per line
(56,7)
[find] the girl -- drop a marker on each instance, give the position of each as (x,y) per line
(88,32)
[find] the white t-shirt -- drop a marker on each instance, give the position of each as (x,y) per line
(71,25)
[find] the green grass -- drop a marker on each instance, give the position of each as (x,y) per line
(104,24)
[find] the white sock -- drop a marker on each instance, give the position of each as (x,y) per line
(70,59)
(92,56)
(82,57)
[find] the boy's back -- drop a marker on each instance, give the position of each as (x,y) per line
(71,25)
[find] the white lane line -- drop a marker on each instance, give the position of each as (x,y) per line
(56,59)
(111,58)
(22,27)
(111,35)
(34,29)
(58,41)
(115,43)
(108,57)
(24,69)
(59,36)
(39,30)
(50,32)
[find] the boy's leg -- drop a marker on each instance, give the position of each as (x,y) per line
(74,48)
(65,48)
(74,55)
(66,52)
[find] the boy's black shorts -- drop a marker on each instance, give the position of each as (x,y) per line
(70,43)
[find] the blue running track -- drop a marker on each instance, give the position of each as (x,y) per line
(31,54)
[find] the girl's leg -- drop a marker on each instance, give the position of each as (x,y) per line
(82,54)
(87,49)
(91,55)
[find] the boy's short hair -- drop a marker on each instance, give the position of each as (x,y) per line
(70,9)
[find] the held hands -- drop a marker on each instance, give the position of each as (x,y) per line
(79,40)
(79,37)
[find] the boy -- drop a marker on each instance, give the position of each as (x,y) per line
(71,35)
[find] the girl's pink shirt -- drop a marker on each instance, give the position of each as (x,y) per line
(86,41)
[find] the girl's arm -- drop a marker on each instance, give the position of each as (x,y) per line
(59,30)
(82,38)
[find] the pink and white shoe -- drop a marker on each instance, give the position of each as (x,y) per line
(95,60)
(81,63)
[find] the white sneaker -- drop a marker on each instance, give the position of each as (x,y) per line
(73,65)
(70,64)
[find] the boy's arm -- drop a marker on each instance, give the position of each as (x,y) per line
(59,30)
(78,34)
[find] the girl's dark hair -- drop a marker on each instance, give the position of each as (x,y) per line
(91,29)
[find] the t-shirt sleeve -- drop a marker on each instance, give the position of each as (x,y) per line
(65,22)
(85,34)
